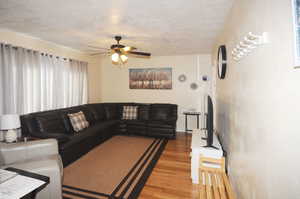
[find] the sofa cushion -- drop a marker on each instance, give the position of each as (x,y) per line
(112,111)
(87,113)
(143,112)
(78,121)
(159,124)
(29,125)
(130,112)
(89,133)
(74,139)
(135,123)
(50,122)
(98,111)
(159,112)
(104,125)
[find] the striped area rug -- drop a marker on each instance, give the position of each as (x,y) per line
(116,169)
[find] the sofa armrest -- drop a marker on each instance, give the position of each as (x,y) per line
(174,112)
(61,138)
(171,120)
(20,152)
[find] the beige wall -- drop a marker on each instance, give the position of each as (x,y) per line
(115,82)
(94,75)
(29,42)
(258,103)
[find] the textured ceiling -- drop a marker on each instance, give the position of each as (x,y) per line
(163,27)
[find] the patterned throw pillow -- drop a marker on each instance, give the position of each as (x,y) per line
(129,112)
(78,121)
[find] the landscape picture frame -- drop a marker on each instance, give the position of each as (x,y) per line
(150,78)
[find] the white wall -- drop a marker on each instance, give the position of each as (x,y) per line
(258,103)
(29,42)
(115,82)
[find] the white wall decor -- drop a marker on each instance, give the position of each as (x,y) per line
(296,20)
(250,42)
(182,78)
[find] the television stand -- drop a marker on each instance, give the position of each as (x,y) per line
(199,148)
(205,138)
(211,147)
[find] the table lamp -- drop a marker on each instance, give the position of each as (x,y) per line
(10,123)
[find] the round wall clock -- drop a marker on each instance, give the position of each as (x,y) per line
(222,61)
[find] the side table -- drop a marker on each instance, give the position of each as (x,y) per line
(191,113)
(32,194)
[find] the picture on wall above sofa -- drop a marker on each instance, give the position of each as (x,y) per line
(150,78)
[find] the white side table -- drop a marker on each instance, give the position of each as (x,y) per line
(198,149)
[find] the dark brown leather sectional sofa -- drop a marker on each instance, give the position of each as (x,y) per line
(155,120)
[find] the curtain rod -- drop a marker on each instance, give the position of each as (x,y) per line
(46,54)
(43,54)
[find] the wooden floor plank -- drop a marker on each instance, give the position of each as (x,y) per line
(170,178)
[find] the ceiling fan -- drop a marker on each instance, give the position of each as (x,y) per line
(119,53)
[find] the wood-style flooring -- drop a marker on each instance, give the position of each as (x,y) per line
(170,179)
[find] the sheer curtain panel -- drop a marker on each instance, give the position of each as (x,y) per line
(31,81)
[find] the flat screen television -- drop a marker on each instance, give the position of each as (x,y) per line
(210,123)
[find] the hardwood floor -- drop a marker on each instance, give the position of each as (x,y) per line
(171,175)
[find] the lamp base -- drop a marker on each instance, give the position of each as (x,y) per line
(11,135)
(2,135)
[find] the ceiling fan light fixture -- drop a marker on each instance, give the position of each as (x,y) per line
(119,53)
(115,57)
(124,58)
(127,48)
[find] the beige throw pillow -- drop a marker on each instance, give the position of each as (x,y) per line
(78,121)
(129,112)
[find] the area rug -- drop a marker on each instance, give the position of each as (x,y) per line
(116,169)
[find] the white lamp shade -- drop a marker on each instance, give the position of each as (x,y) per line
(124,58)
(8,122)
(115,57)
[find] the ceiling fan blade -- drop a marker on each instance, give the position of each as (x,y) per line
(96,51)
(102,53)
(96,47)
(140,53)
(129,48)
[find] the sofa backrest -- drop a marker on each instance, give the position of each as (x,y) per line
(143,111)
(163,111)
(57,121)
(97,111)
(28,124)
(121,107)
(75,109)
(112,111)
(53,121)
(43,122)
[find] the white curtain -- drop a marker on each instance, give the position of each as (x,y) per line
(30,81)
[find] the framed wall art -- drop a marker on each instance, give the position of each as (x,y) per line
(150,78)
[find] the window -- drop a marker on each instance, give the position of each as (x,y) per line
(31,81)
